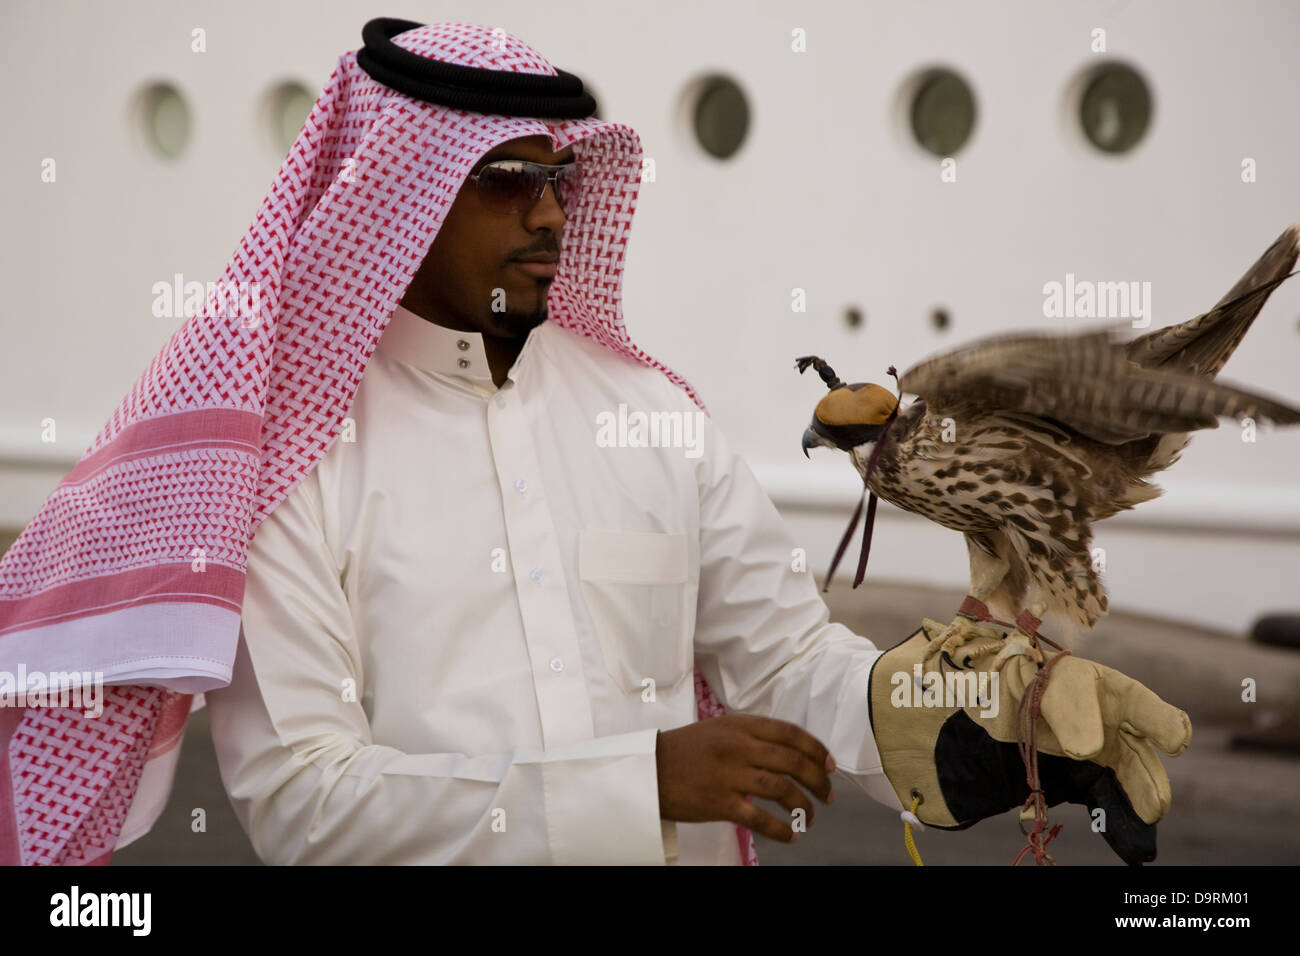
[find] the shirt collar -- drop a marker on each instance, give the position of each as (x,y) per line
(416,341)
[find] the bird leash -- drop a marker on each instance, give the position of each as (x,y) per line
(1038,836)
(867,495)
(1027,738)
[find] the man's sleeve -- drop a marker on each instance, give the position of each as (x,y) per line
(310,785)
(763,636)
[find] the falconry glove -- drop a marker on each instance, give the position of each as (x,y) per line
(949,735)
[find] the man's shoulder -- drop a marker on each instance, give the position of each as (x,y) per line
(619,368)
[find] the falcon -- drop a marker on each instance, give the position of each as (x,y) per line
(1022,441)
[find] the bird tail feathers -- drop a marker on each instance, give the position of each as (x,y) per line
(1201,346)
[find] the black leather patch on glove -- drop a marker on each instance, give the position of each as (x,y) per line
(982,777)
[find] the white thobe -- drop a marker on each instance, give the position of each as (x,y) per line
(463,629)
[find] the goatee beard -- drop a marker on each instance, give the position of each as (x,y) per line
(516,325)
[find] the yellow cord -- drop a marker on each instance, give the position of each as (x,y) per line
(907,834)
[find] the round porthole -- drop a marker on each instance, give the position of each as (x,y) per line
(290,105)
(164,119)
(719,116)
(941,112)
(1114,107)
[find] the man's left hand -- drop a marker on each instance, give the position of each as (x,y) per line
(1095,737)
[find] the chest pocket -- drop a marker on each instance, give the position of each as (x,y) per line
(634,584)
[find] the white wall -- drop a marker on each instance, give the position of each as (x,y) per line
(828,194)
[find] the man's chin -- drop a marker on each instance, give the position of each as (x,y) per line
(516,326)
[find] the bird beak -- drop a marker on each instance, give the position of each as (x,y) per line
(811,440)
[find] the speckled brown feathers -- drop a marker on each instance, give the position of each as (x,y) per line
(1022,441)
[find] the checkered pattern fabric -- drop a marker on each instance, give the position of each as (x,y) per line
(142,546)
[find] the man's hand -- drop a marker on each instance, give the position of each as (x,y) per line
(706,770)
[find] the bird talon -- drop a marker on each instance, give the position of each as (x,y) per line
(1015,644)
(960,632)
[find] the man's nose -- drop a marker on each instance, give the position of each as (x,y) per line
(546,211)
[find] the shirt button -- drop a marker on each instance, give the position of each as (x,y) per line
(501,401)
(521,486)
(557,665)
(536,575)
(463,363)
(462,345)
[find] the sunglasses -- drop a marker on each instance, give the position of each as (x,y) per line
(513,185)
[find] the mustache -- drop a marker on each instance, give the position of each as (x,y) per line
(551,249)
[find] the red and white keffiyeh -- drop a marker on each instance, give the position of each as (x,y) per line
(134,566)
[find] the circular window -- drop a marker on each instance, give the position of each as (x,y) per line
(942,112)
(720,116)
(164,119)
(1114,108)
(290,105)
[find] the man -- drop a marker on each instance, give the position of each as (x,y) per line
(468,627)
(507,698)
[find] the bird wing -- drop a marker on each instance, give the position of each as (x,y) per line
(1202,345)
(1084,380)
